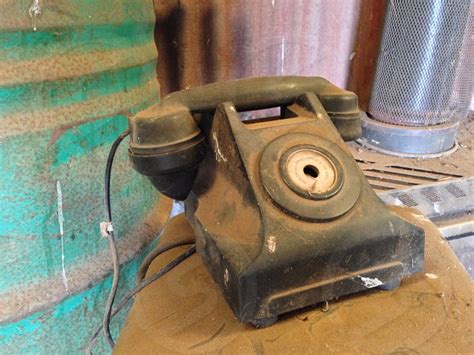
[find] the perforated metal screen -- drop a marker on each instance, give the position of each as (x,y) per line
(424,73)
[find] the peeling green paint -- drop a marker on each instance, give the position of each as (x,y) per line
(22,45)
(68,326)
(48,95)
(55,286)
(80,140)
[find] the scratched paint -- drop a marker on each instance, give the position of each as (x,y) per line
(219,155)
(271,244)
(61,232)
(370,282)
(34,11)
(70,74)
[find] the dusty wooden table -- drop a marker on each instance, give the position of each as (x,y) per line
(184,312)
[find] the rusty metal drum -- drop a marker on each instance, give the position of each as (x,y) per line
(70,74)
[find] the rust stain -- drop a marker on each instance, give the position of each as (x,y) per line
(31,121)
(214,40)
(367,44)
(58,132)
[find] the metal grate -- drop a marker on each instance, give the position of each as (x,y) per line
(407,200)
(455,191)
(431,195)
(384,177)
(450,204)
(440,199)
(424,70)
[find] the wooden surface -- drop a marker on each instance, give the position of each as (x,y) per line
(431,312)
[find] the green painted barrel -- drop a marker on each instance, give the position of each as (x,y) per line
(71,71)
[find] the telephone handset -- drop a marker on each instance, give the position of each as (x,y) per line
(167,145)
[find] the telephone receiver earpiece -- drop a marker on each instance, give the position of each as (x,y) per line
(167,146)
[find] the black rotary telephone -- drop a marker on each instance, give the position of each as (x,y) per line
(283,216)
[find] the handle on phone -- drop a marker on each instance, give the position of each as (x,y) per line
(266,92)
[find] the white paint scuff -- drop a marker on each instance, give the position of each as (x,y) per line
(226,277)
(431,276)
(34,11)
(369,282)
(219,156)
(397,202)
(271,244)
(391,226)
(61,232)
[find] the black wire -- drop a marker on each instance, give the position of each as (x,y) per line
(113,290)
(108,313)
(168,267)
(108,171)
(153,255)
(111,237)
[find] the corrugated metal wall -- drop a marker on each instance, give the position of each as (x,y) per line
(211,40)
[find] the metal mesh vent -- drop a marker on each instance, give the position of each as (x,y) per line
(455,191)
(407,200)
(431,195)
(424,72)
